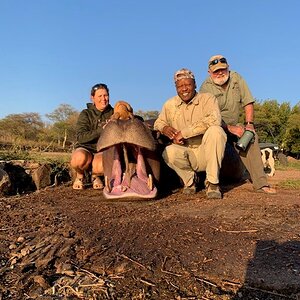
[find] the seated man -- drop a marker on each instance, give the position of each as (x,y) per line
(192,121)
(233,96)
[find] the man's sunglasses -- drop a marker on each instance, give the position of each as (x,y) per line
(215,61)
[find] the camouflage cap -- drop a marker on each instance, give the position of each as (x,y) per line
(217,62)
(183,73)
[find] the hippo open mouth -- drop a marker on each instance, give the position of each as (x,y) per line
(130,163)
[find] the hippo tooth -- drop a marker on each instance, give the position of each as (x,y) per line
(150,182)
(107,184)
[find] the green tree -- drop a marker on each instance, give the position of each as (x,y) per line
(21,127)
(291,139)
(64,121)
(148,115)
(271,119)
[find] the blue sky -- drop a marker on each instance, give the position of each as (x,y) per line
(53,51)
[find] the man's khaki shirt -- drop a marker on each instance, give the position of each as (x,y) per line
(232,99)
(192,119)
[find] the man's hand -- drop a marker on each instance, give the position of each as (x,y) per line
(170,132)
(178,139)
(250,127)
(236,130)
(173,135)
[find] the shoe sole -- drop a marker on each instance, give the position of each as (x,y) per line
(214,195)
(189,192)
(266,192)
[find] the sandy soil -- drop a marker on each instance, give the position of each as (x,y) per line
(64,244)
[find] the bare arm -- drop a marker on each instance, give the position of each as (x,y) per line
(249,116)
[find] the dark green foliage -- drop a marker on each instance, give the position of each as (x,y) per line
(148,115)
(274,122)
(278,123)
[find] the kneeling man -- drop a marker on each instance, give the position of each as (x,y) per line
(192,121)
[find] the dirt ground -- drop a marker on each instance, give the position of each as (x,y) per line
(64,244)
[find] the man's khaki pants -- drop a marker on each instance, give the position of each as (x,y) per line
(251,158)
(186,160)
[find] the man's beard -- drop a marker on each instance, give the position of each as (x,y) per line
(222,80)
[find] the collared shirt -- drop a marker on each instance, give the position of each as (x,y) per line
(232,99)
(192,118)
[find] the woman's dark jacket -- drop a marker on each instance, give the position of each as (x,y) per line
(90,125)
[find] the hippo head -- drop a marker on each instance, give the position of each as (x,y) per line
(130,162)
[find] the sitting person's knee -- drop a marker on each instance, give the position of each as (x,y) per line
(216,131)
(81,159)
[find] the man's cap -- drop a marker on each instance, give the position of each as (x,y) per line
(183,73)
(217,62)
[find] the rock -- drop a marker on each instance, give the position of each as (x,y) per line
(282,159)
(5,182)
(12,246)
(21,182)
(65,268)
(40,280)
(20,239)
(42,176)
(20,176)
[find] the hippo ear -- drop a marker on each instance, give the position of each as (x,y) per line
(112,134)
(128,106)
(137,133)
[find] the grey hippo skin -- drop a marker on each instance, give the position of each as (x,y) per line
(130,161)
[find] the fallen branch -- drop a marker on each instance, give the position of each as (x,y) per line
(227,282)
(267,248)
(241,231)
(266,291)
(206,281)
(172,284)
(132,260)
(4,229)
(68,287)
(235,231)
(89,273)
(147,282)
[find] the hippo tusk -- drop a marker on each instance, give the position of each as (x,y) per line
(150,182)
(107,184)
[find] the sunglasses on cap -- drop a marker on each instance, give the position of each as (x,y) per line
(99,86)
(217,60)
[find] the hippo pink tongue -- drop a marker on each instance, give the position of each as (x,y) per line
(137,185)
(134,191)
